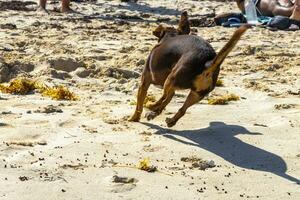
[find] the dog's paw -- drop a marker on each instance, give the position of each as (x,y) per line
(151,106)
(170,122)
(151,115)
(134,118)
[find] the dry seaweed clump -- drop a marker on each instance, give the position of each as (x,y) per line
(145,165)
(223,100)
(148,100)
(18,86)
(59,93)
(25,86)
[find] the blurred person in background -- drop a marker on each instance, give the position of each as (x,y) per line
(65,6)
(287,8)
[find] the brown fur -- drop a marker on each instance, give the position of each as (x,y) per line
(181,61)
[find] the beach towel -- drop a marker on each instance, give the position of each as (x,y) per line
(237,19)
(283,23)
(229,18)
(274,23)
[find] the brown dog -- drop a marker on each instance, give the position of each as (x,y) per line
(181,61)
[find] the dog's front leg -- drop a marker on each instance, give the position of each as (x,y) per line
(192,98)
(142,92)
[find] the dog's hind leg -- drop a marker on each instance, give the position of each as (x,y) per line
(169,91)
(142,92)
(192,98)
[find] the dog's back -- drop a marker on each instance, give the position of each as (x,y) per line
(191,52)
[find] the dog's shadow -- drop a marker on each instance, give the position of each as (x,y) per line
(219,138)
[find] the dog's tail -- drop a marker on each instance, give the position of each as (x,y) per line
(218,60)
(184,24)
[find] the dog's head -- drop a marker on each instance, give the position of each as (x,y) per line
(183,28)
(161,31)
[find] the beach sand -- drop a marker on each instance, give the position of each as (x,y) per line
(87,149)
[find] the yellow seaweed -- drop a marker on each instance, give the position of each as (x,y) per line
(18,86)
(148,100)
(223,100)
(145,165)
(25,86)
(59,93)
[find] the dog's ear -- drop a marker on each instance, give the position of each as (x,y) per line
(184,24)
(159,31)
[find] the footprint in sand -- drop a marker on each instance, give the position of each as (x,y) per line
(36,122)
(118,184)
(4,125)
(28,139)
(68,124)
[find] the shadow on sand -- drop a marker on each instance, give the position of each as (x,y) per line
(219,138)
(137,9)
(144,8)
(115,17)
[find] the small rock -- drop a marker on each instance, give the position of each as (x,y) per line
(60,74)
(82,72)
(23,178)
(65,64)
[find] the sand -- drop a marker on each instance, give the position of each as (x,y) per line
(86,149)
